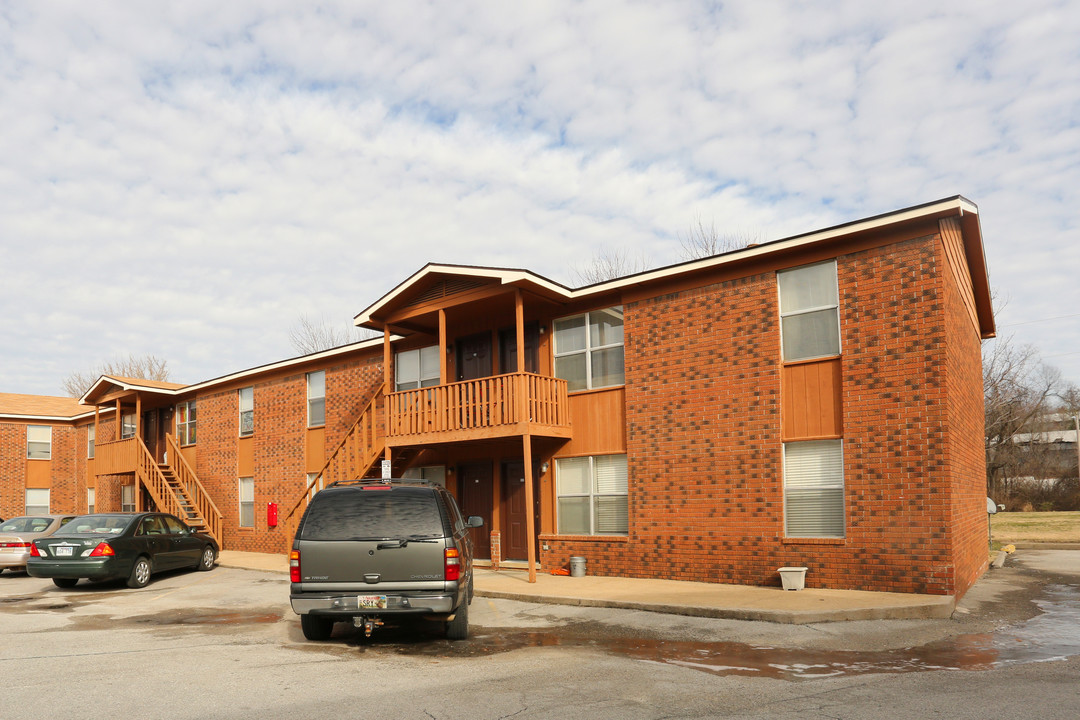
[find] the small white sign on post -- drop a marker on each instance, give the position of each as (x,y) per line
(385,469)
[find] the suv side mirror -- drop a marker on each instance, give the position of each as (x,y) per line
(475,521)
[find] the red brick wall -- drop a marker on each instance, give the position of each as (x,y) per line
(966,464)
(278,443)
(703,435)
(12,469)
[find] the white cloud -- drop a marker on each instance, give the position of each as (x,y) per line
(187,179)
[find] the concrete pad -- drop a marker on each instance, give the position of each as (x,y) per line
(674,597)
(1066,562)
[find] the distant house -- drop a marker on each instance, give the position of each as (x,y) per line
(812,401)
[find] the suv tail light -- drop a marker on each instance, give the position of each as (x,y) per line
(453,564)
(103,549)
(294,566)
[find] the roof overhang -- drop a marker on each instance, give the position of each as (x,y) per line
(382,311)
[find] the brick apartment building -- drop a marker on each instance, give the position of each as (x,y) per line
(813,401)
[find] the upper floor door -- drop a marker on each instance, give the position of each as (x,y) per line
(474,356)
(508,349)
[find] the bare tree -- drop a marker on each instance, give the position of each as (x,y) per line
(309,336)
(702,241)
(608,264)
(142,367)
(1020,391)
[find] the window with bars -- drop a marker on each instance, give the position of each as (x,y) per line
(809,312)
(38,442)
(814,489)
(592,495)
(246,401)
(589,349)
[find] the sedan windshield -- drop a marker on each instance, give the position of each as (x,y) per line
(26,524)
(98,524)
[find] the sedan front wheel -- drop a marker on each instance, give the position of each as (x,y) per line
(140,574)
(207,560)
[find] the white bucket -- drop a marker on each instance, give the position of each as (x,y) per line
(577,566)
(792,578)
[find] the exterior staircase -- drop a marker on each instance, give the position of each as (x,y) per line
(357,455)
(176,489)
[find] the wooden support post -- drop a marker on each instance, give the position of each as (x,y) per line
(530,515)
(138,415)
(443,369)
(387,380)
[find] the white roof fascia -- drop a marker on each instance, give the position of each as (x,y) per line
(958,203)
(504,276)
(58,418)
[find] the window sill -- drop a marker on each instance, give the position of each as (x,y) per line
(814,541)
(585,538)
(245,529)
(316,427)
(597,390)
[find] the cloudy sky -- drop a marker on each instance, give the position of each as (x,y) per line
(187,179)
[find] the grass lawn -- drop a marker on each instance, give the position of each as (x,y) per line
(1012,527)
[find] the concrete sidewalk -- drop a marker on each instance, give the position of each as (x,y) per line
(740,602)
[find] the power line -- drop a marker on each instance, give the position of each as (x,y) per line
(1029,322)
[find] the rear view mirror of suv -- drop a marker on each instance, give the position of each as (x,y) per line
(475,521)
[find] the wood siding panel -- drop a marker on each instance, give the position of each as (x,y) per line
(599,422)
(953,240)
(39,473)
(245,457)
(811,404)
(315,450)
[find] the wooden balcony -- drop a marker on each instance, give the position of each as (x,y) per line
(114,458)
(491,407)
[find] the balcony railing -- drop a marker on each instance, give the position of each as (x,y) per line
(496,406)
(120,456)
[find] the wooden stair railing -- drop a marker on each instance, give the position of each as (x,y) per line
(202,504)
(354,456)
(171,494)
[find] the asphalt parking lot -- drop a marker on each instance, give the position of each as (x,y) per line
(226,644)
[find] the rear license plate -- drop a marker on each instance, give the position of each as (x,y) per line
(63,551)
(371,602)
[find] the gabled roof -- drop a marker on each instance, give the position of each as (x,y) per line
(420,284)
(107,384)
(39,407)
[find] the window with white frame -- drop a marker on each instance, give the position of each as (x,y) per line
(246,400)
(127,425)
(809,312)
(247,502)
(814,489)
(431,473)
(37,501)
(592,495)
(185,423)
(127,498)
(416,368)
(312,489)
(91,433)
(90,498)
(316,398)
(38,442)
(589,349)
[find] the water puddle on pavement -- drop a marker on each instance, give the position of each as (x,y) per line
(1054,634)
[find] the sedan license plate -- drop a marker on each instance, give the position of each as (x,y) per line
(64,551)
(371,602)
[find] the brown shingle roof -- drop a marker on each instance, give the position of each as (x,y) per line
(41,405)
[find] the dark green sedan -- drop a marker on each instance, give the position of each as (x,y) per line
(120,546)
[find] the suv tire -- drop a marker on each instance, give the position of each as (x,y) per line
(316,627)
(458,628)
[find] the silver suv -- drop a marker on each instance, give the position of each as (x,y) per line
(369,550)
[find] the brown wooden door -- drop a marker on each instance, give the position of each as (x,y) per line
(508,349)
(515,534)
(474,494)
(474,356)
(154,429)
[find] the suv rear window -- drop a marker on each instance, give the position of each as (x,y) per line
(378,514)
